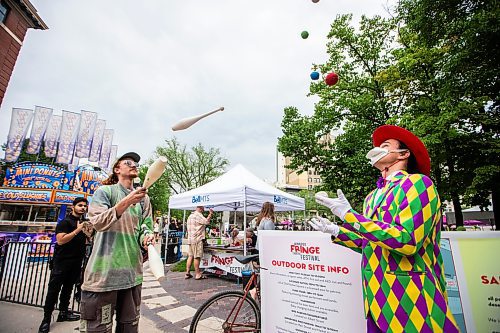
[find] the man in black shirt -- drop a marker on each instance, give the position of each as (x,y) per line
(67,261)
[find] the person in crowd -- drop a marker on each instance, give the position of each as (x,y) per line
(253,223)
(122,218)
(266,219)
(196,224)
(173,225)
(66,264)
(234,239)
(156,229)
(398,234)
(251,238)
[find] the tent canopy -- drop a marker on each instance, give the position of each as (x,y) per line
(231,190)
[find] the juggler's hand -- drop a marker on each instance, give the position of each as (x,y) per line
(324,225)
(339,206)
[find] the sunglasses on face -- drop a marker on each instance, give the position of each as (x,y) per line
(130,163)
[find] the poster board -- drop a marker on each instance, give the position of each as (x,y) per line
(315,285)
(472,271)
(321,291)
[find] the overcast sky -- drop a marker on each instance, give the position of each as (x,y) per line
(144,65)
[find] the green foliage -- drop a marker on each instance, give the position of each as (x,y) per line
(311,203)
(434,73)
(188,169)
(159,192)
(449,58)
(349,111)
(179,266)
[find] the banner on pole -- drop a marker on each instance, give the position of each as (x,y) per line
(52,135)
(95,151)
(112,158)
(85,134)
(106,148)
(40,122)
(69,131)
(19,124)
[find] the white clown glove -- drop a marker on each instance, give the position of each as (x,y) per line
(339,206)
(324,225)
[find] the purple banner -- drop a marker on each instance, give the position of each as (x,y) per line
(19,124)
(95,151)
(67,140)
(52,136)
(106,148)
(40,123)
(112,157)
(85,134)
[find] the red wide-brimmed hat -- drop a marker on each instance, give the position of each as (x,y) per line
(417,147)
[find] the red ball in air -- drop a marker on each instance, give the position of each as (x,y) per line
(331,79)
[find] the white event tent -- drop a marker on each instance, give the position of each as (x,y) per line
(236,190)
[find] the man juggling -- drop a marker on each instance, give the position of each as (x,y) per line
(398,236)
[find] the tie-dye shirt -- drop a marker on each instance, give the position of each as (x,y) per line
(116,259)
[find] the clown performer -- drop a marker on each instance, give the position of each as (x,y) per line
(398,236)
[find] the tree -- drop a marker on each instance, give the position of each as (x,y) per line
(465,87)
(311,204)
(159,192)
(349,111)
(190,169)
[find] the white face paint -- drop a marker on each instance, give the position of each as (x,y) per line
(377,153)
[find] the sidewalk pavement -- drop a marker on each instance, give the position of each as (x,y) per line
(167,306)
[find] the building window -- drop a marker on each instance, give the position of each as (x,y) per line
(4,10)
(309,180)
(309,187)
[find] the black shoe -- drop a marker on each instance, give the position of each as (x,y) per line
(44,326)
(67,316)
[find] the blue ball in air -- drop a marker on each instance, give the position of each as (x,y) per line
(314,75)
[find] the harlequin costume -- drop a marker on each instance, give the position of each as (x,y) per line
(398,235)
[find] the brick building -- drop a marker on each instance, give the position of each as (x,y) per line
(16,17)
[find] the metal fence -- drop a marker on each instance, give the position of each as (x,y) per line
(25,273)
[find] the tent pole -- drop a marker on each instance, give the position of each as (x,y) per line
(184,223)
(245,224)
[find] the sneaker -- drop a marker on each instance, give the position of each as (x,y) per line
(44,326)
(67,316)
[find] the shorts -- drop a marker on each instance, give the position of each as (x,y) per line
(97,310)
(196,250)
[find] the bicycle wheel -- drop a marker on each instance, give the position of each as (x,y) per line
(213,315)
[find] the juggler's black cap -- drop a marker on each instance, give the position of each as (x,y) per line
(133,156)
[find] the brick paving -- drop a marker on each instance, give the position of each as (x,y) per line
(167,306)
(172,309)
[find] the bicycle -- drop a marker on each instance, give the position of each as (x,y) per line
(231,311)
